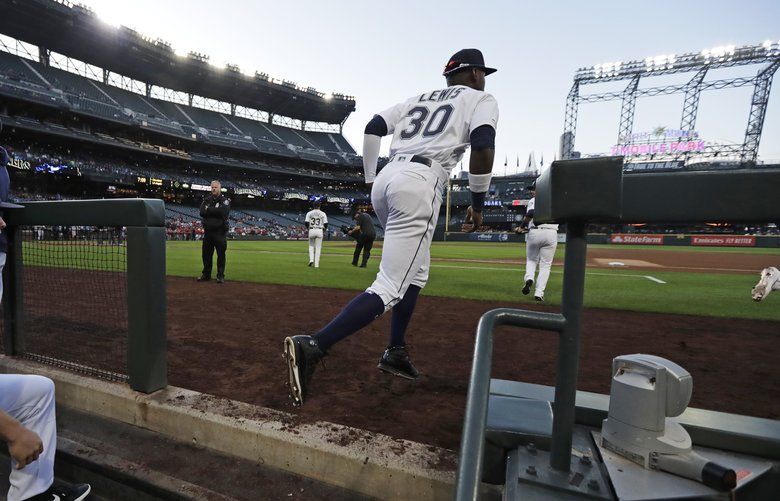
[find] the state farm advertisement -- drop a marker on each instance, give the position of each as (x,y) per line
(724,240)
(632,239)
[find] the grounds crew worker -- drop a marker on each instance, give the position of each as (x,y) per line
(214,212)
(365,234)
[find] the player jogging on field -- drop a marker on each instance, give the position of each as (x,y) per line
(540,244)
(770,281)
(430,133)
(316,222)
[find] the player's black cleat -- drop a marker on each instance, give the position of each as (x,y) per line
(302,355)
(527,287)
(539,298)
(395,360)
(203,278)
(311,263)
(63,492)
(220,280)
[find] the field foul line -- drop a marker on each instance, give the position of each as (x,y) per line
(654,279)
(518,269)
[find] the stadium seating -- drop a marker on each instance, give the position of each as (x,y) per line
(33,81)
(13,68)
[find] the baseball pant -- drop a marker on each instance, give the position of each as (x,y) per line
(363,245)
(213,242)
(540,249)
(30,400)
(406,197)
(2,265)
(315,247)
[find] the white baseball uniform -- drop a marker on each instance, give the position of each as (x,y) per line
(541,242)
(317,221)
(30,400)
(435,128)
(770,281)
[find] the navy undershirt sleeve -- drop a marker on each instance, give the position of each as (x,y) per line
(483,137)
(376,127)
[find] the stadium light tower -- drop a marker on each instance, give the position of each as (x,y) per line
(698,63)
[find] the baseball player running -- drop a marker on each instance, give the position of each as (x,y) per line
(430,133)
(770,281)
(540,247)
(316,222)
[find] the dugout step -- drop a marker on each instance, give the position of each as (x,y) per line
(123,462)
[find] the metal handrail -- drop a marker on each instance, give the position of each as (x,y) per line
(568,325)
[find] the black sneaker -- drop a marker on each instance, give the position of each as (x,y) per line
(395,360)
(311,263)
(539,298)
(203,278)
(302,355)
(220,280)
(63,492)
(527,287)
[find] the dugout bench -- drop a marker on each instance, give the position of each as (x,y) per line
(540,441)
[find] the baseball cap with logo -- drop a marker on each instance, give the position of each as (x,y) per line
(467,58)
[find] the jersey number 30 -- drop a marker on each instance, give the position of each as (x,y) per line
(433,126)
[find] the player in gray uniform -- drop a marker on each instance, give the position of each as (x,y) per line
(540,246)
(431,131)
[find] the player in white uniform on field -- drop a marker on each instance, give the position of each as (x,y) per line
(431,131)
(770,281)
(316,222)
(540,244)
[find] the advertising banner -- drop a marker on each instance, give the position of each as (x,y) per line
(724,240)
(633,239)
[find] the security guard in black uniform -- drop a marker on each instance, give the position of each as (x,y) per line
(365,234)
(214,212)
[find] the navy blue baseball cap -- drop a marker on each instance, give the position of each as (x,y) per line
(464,59)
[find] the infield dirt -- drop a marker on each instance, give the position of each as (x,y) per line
(227,341)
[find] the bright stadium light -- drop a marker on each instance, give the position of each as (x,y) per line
(180,52)
(111,16)
(328,96)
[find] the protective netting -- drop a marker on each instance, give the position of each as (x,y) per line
(75,298)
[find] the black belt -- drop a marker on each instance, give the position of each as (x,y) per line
(416,159)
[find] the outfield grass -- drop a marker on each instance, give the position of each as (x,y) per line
(711,294)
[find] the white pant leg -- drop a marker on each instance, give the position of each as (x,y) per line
(421,277)
(2,265)
(531,255)
(406,198)
(30,400)
(311,247)
(549,241)
(317,248)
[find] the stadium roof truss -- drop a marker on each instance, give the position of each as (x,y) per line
(698,63)
(74,31)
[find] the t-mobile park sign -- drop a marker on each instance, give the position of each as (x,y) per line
(659,141)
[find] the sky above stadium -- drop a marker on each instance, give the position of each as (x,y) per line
(385,52)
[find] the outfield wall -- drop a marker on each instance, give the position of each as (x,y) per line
(629,239)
